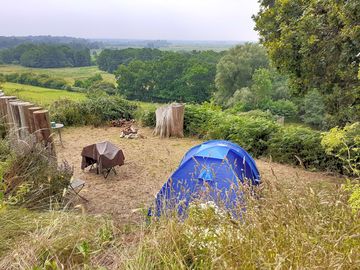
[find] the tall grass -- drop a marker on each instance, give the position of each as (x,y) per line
(292,226)
(54,240)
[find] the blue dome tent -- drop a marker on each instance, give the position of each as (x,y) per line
(214,168)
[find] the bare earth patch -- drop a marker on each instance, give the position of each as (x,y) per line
(148,164)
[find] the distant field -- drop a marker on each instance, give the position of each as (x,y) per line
(39,95)
(215,48)
(68,74)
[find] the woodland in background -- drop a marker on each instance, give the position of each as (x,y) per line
(47,55)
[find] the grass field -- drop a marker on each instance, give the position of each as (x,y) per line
(68,74)
(39,95)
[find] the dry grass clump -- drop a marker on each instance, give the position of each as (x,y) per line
(53,240)
(291,226)
(32,177)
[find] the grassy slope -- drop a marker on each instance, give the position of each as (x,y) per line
(40,95)
(293,225)
(46,96)
(69,74)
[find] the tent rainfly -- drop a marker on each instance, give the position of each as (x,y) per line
(212,171)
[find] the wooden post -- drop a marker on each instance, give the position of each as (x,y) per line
(26,111)
(15,121)
(31,118)
(23,124)
(43,128)
(4,107)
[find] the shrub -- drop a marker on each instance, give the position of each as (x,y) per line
(87,83)
(281,107)
(301,145)
(148,118)
(197,118)
(96,110)
(107,108)
(250,132)
(258,133)
(258,114)
(41,80)
(344,144)
(67,112)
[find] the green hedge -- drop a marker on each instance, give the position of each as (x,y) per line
(302,145)
(252,133)
(92,111)
(259,134)
(41,80)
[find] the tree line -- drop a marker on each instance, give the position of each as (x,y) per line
(47,55)
(11,42)
(162,76)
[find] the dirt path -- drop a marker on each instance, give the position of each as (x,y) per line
(149,162)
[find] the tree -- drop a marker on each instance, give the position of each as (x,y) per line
(314,108)
(47,55)
(234,71)
(199,81)
(316,42)
(109,60)
(183,77)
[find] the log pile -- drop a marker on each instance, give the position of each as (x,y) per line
(170,121)
(130,133)
(122,123)
(25,122)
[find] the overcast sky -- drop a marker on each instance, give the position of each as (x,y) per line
(133,19)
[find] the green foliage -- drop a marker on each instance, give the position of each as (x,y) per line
(109,60)
(235,70)
(258,133)
(250,132)
(281,107)
(314,109)
(12,41)
(197,119)
(344,144)
(267,91)
(47,56)
(2,79)
(87,83)
(96,83)
(96,110)
(34,79)
(148,118)
(354,200)
(317,44)
(301,146)
(171,77)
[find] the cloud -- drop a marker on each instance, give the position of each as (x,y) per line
(143,19)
